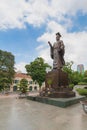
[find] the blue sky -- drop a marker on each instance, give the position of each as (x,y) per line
(21,43)
(26,27)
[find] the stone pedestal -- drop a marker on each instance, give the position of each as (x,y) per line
(56,85)
(57,78)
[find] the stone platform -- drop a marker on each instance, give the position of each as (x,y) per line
(60,102)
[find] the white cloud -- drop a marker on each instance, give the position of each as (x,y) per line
(52,28)
(16,13)
(38,12)
(11,13)
(75,44)
(69,6)
(20,67)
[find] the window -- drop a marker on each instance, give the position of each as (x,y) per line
(35,82)
(14,88)
(31,82)
(30,88)
(35,88)
(16,81)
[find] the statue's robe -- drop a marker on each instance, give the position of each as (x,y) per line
(57,54)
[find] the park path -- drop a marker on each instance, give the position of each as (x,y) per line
(23,114)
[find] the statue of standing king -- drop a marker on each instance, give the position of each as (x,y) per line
(57,52)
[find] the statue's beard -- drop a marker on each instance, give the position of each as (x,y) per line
(57,39)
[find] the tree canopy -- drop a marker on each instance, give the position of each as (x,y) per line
(74,76)
(6,68)
(37,70)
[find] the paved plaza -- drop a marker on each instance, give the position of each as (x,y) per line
(23,114)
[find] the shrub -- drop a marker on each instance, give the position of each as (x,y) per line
(85,79)
(82,83)
(82,91)
(71,86)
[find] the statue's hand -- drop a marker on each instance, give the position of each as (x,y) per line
(49,43)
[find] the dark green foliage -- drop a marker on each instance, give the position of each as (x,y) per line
(6,68)
(74,76)
(68,69)
(82,83)
(23,85)
(37,70)
(84,79)
(71,86)
(4,83)
(82,91)
(85,73)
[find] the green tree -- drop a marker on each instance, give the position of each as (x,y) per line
(68,69)
(85,73)
(4,83)
(74,76)
(85,76)
(37,70)
(6,68)
(23,85)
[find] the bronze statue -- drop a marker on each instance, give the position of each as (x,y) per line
(56,81)
(57,52)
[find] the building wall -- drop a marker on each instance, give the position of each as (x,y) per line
(32,86)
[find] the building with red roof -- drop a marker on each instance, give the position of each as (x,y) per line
(32,86)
